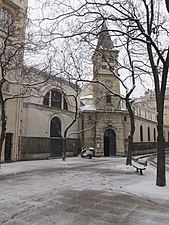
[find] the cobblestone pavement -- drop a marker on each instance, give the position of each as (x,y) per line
(77,195)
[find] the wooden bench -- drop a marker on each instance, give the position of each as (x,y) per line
(140,166)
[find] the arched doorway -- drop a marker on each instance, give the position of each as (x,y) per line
(109,143)
(55,138)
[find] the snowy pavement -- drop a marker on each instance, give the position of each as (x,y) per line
(153,160)
(98,191)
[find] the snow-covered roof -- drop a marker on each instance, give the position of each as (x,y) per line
(86,97)
(88,108)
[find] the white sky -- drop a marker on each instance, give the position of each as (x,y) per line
(147,83)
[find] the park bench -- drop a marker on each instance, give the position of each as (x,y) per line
(139,165)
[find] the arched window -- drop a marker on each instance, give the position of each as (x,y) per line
(149,134)
(55,127)
(56,99)
(46,99)
(154,134)
(141,133)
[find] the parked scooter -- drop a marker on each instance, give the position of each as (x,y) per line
(87,153)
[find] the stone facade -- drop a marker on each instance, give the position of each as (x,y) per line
(12,29)
(36,125)
(46,117)
(103,122)
(30,130)
(105,117)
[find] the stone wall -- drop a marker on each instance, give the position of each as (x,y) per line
(146,147)
(73,146)
(33,148)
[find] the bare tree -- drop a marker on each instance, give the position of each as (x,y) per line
(72,70)
(71,66)
(16,80)
(11,58)
(81,76)
(142,25)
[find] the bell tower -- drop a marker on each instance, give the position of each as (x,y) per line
(105,62)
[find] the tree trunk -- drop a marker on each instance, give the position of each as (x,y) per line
(3,125)
(129,150)
(167,5)
(132,130)
(64,149)
(161,179)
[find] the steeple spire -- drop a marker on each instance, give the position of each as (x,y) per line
(104,39)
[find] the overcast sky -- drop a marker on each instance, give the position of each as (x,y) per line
(35,13)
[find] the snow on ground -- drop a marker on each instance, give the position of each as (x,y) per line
(127,179)
(97,191)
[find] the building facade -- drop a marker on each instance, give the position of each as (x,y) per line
(38,122)
(12,34)
(47,113)
(105,117)
(39,107)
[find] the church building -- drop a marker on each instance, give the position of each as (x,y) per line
(105,117)
(38,123)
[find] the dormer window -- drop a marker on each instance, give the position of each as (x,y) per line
(55,99)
